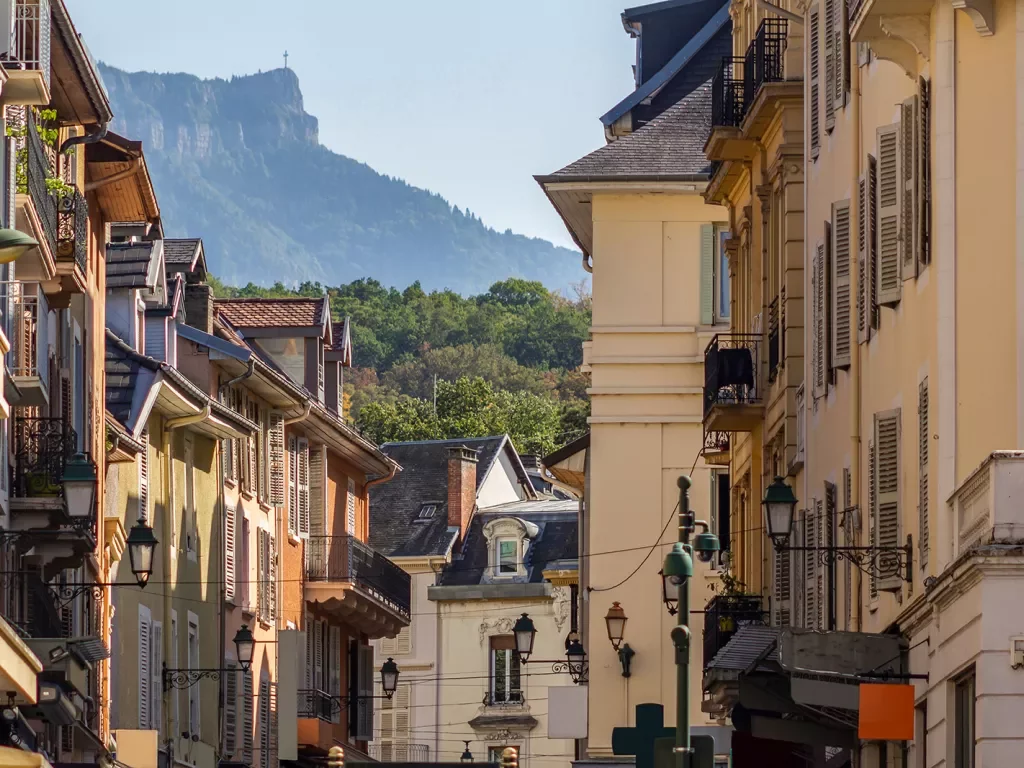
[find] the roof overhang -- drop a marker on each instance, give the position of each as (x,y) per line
(122,446)
(116,172)
(568,465)
(76,89)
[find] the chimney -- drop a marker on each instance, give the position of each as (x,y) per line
(461,488)
(199,306)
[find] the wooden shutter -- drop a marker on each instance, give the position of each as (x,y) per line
(261,574)
(874,312)
(145,671)
(924,176)
(310,469)
(272,578)
(275,439)
(308,665)
(402,700)
(817,319)
(272,724)
(334,667)
(887,260)
(144,477)
(707,274)
(811,595)
(262,459)
(872,510)
(264,717)
(364,717)
(156,664)
(830,64)
(350,507)
(887,479)
(247,717)
(293,487)
(841,285)
(848,541)
(863,295)
(252,482)
(318,655)
(403,642)
(909,130)
(814,33)
(230,709)
(782,588)
(230,534)
(841,78)
(922,439)
(827,575)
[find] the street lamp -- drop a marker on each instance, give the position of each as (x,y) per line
(245,645)
(79,482)
(13,244)
(141,546)
(779,505)
(389,677)
(524,633)
(615,621)
(575,662)
(181,679)
(576,657)
(467,756)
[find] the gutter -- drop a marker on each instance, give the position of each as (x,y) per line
(303,417)
(571,179)
(88,138)
(91,186)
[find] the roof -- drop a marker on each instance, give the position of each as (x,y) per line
(675,65)
(341,342)
(671,146)
(570,449)
(557,539)
(275,313)
(130,265)
(750,645)
(182,251)
(638,12)
(424,478)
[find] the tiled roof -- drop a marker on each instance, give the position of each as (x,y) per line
(672,144)
(128,264)
(339,334)
(558,538)
(424,478)
(181,251)
(274,313)
(122,372)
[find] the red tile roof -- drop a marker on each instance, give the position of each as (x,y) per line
(274,313)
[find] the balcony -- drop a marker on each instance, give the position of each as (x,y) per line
(28,363)
(400,752)
(985,506)
(716,448)
(728,93)
(26,54)
(35,201)
(318,705)
(733,397)
(72,243)
(357,584)
(723,617)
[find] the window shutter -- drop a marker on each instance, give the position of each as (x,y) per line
(781,588)
(252,482)
(404,641)
(403,697)
(841,83)
(923,436)
(318,655)
(261,574)
(888,215)
(841,293)
(811,566)
(308,661)
(272,578)
(830,64)
(887,479)
(814,66)
(874,312)
(350,507)
(247,717)
(862,283)
(826,576)
(334,666)
(230,533)
(262,453)
(264,715)
(293,487)
(924,176)
(276,442)
(364,717)
(156,665)
(144,477)
(908,187)
(145,672)
(310,467)
(707,274)
(272,724)
(817,310)
(848,541)
(230,709)
(872,511)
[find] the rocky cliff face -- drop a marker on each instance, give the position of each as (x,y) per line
(238,162)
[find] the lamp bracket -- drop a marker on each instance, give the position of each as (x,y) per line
(879,562)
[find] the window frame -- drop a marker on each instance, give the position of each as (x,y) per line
(510,669)
(498,564)
(721,260)
(194,662)
(967,683)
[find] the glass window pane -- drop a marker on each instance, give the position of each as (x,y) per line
(723,275)
(507,556)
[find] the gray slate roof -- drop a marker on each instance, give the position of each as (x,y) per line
(557,541)
(181,251)
(122,372)
(671,145)
(129,264)
(424,478)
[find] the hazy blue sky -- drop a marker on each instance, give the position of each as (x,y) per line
(468,98)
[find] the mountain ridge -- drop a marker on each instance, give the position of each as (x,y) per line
(238,162)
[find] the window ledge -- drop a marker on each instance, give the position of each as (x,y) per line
(264,624)
(293,539)
(246,494)
(266,507)
(229,482)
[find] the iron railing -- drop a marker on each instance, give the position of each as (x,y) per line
(41,447)
(315,704)
(724,615)
(715,442)
(728,92)
(29,44)
(346,559)
(494,698)
(763,62)
(774,339)
(62,608)
(400,752)
(38,169)
(731,365)
(72,221)
(26,308)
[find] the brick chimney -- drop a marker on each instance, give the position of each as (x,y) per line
(461,488)
(199,306)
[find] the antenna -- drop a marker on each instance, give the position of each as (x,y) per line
(435,395)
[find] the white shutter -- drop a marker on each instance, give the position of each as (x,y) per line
(923,438)
(403,643)
(350,507)
(707,274)
(143,475)
(888,215)
(841,79)
(814,66)
(156,663)
(781,587)
(264,723)
(811,594)
(908,188)
(924,176)
(887,494)
(230,533)
(831,68)
(145,670)
(334,666)
(316,495)
(275,439)
(304,481)
(364,719)
(261,574)
(247,717)
(841,286)
(230,709)
(272,577)
(293,488)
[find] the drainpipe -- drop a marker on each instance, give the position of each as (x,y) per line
(588,264)
(248,372)
(383,479)
(303,417)
(855,375)
(88,138)
(134,169)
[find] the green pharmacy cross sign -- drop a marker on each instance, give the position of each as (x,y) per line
(652,743)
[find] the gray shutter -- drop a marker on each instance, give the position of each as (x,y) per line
(316,494)
(334,666)
(841,85)
(887,480)
(888,215)
(908,188)
(817,319)
(841,285)
(810,563)
(272,578)
(923,437)
(273,759)
(247,717)
(924,176)
(277,468)
(863,295)
(264,718)
(814,65)
(872,510)
(364,717)
(145,672)
(156,664)
(230,535)
(874,313)
(707,274)
(782,588)
(230,709)
(830,64)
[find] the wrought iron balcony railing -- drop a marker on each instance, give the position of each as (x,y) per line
(346,559)
(41,447)
(728,92)
(715,443)
(400,752)
(38,168)
(763,62)
(315,704)
(72,222)
(724,615)
(731,369)
(493,698)
(27,329)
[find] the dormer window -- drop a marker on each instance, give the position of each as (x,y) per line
(508,545)
(507,556)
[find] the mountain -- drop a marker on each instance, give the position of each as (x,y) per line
(238,162)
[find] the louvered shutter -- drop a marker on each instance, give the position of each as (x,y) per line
(272,578)
(781,587)
(293,487)
(922,438)
(252,482)
(830,64)
(403,642)
(400,735)
(261,574)
(350,507)
(272,724)
(309,505)
(924,164)
(811,566)
(872,510)
(848,541)
(874,312)
(841,78)
(364,718)
(887,494)
(909,129)
(817,321)
(156,682)
(827,576)
(318,655)
(276,441)
(230,709)
(308,665)
(862,276)
(841,287)
(888,215)
(814,32)
(247,717)
(145,671)
(143,464)
(262,460)
(707,274)
(334,666)
(12,181)
(230,533)
(264,720)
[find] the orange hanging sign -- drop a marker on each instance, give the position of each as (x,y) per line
(886,712)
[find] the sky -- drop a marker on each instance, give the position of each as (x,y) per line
(468,98)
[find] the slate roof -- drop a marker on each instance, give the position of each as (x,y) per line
(424,478)
(558,539)
(670,146)
(340,335)
(122,369)
(129,264)
(181,250)
(275,313)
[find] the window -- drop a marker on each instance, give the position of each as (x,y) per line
(494,753)
(722,276)
(505,682)
(887,512)
(193,663)
(714,274)
(507,556)
(720,497)
(963,735)
(427,511)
